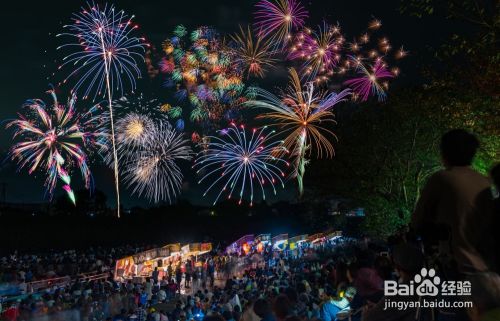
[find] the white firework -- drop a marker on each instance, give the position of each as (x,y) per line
(152,170)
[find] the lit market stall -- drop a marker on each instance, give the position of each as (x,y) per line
(280,242)
(242,246)
(261,242)
(196,251)
(296,244)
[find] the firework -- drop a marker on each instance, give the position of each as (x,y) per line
(277,19)
(255,55)
(320,51)
(132,132)
(132,129)
(203,73)
(302,114)
(54,138)
(324,53)
(105,47)
(375,24)
(134,115)
(106,57)
(401,53)
(152,169)
(243,161)
(140,104)
(370,81)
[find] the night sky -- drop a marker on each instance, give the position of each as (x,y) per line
(28,57)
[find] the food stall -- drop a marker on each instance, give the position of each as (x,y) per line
(242,246)
(195,249)
(296,244)
(297,241)
(147,261)
(280,242)
(261,242)
(125,268)
(140,265)
(316,239)
(333,236)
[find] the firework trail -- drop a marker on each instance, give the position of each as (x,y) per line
(302,113)
(106,53)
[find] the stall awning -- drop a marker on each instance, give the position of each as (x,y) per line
(333,235)
(315,238)
(294,241)
(173,248)
(194,249)
(152,254)
(264,238)
(236,246)
(280,241)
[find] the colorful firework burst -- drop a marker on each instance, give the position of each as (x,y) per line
(325,53)
(140,104)
(320,50)
(134,115)
(152,169)
(244,162)
(371,81)
(106,57)
(302,113)
(54,138)
(255,55)
(132,130)
(106,46)
(201,70)
(277,19)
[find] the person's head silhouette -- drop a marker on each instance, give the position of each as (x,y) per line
(458,148)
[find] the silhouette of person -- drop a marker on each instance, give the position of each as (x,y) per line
(486,234)
(449,201)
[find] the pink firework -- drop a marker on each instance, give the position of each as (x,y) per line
(278,18)
(166,66)
(320,50)
(371,81)
(53,139)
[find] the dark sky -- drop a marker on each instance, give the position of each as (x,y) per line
(28,53)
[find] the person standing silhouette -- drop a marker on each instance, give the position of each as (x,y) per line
(448,202)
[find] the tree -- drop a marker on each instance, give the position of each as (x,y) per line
(387,151)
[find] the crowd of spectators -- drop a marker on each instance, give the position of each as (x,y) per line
(21,269)
(332,282)
(452,232)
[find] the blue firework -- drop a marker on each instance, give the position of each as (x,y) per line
(243,162)
(103,43)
